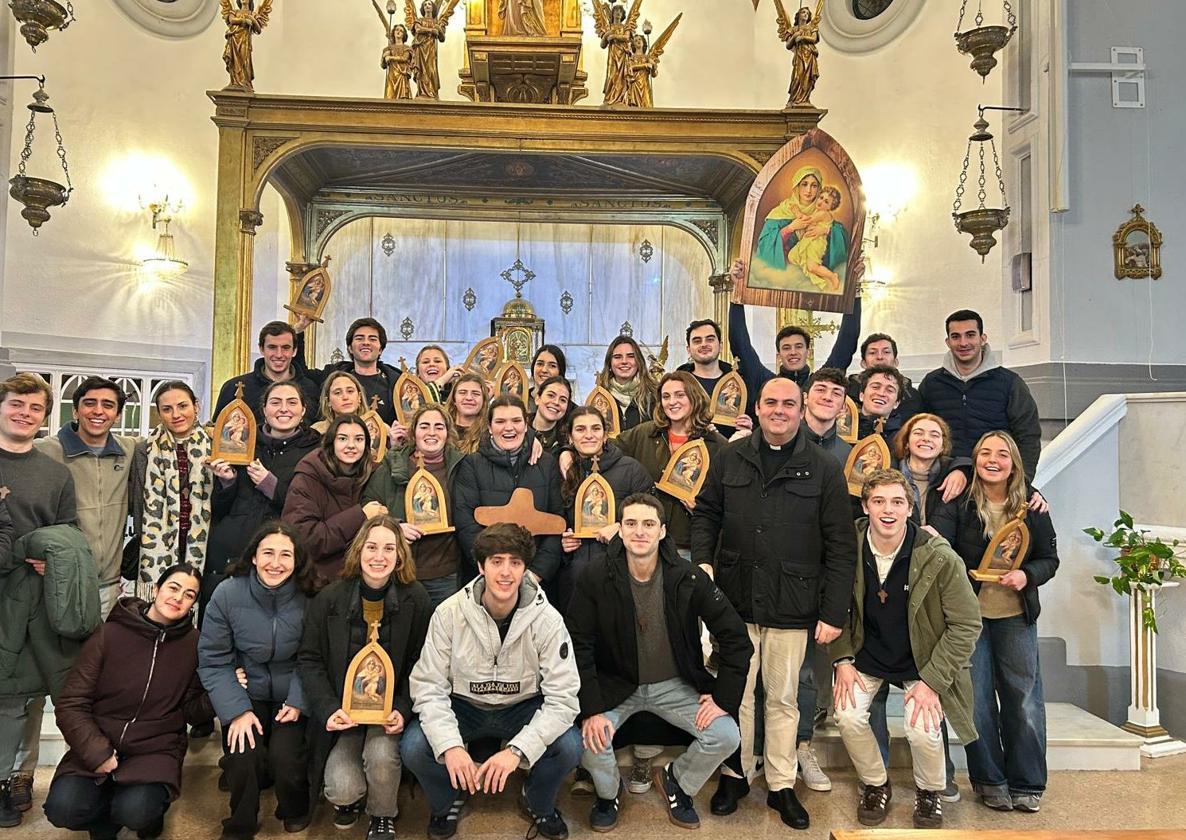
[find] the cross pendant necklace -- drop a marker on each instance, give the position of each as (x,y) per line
(882,594)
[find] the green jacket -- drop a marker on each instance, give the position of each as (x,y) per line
(45,619)
(390,479)
(944,620)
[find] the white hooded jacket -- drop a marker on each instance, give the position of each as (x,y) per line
(464,657)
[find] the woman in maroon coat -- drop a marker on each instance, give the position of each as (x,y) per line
(123,712)
(323,496)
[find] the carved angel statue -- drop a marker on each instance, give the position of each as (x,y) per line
(522,17)
(657,364)
(242,21)
(801,37)
(427,29)
(397,58)
(643,65)
(616,28)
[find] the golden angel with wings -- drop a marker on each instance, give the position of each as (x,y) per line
(242,21)
(801,35)
(643,64)
(397,57)
(616,27)
(427,29)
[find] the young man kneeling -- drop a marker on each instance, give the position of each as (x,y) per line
(497,663)
(635,623)
(914,624)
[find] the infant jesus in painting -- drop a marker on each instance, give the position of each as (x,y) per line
(813,229)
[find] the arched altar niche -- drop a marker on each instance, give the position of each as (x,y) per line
(659,287)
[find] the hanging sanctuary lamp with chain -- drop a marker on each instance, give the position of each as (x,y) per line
(983,42)
(983,221)
(39,194)
(38,17)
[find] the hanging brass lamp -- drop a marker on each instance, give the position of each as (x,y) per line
(39,194)
(984,42)
(983,221)
(38,17)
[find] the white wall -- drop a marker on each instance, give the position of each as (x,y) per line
(121,90)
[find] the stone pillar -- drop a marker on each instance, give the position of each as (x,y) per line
(722,290)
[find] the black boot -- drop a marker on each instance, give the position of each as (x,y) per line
(787,804)
(730,791)
(9,815)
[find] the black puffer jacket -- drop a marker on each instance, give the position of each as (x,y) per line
(487,478)
(960,524)
(254,385)
(625,476)
(602,619)
(778,538)
(240,508)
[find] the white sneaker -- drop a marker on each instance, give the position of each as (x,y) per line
(812,774)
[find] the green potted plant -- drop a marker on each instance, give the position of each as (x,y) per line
(1144,562)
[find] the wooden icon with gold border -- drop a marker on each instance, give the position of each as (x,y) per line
(511,379)
(594,506)
(868,455)
(848,421)
(1005,551)
(311,294)
(369,690)
(601,399)
(378,430)
(728,399)
(408,395)
(685,471)
(425,506)
(234,432)
(485,358)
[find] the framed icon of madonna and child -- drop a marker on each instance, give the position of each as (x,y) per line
(803,226)
(368,694)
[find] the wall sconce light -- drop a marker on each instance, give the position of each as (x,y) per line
(874,286)
(889,189)
(163,263)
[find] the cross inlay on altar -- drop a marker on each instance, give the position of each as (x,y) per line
(806,319)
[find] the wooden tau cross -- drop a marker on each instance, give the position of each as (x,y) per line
(882,595)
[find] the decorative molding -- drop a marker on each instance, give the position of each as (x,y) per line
(262,148)
(761,156)
(848,33)
(326,217)
(711,229)
(566,302)
(1100,418)
(407,329)
(469,300)
(646,250)
(172,19)
(626,329)
(388,244)
(249,220)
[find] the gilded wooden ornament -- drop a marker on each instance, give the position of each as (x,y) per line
(601,399)
(409,395)
(616,26)
(686,471)
(485,358)
(594,507)
(310,294)
(642,66)
(396,60)
(427,28)
(848,421)
(868,455)
(368,695)
(425,503)
(1005,551)
(801,36)
(234,432)
(511,380)
(378,432)
(1136,248)
(243,22)
(728,399)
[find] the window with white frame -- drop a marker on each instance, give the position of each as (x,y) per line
(140,387)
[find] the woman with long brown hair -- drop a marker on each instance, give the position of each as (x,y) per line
(378,585)
(624,375)
(467,404)
(681,414)
(324,496)
(1007,764)
(341,394)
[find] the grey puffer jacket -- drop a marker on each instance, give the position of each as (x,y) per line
(250,626)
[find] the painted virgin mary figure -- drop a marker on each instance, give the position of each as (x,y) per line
(522,17)
(770,260)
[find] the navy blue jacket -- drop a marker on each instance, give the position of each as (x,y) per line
(257,629)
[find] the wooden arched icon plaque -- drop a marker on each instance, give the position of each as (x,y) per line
(425,504)
(522,511)
(1005,551)
(369,691)
(685,471)
(728,399)
(594,507)
(511,380)
(601,399)
(803,228)
(485,358)
(378,432)
(234,432)
(408,396)
(311,294)
(868,455)
(848,421)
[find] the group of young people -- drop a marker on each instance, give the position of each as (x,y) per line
(509,650)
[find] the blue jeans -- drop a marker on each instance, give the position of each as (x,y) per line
(79,803)
(543,780)
(440,588)
(676,702)
(1010,754)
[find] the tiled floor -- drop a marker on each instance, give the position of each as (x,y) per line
(1082,800)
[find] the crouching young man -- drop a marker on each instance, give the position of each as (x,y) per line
(914,624)
(497,663)
(635,623)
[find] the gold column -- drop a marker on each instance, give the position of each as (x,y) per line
(234,236)
(722,288)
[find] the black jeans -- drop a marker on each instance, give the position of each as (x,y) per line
(280,754)
(102,807)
